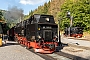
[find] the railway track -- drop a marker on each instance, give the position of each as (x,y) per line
(86,39)
(72,57)
(57,56)
(53,56)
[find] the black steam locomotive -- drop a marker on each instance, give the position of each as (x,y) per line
(39,31)
(76,32)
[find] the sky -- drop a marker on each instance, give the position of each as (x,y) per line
(26,5)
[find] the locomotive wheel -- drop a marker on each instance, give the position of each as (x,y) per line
(23,42)
(18,41)
(28,45)
(15,39)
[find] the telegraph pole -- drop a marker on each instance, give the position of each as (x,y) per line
(71,20)
(58,29)
(59,37)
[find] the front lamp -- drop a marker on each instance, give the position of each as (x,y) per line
(39,36)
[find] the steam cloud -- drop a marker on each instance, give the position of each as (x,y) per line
(13,14)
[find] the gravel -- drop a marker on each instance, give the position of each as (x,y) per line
(84,53)
(77,52)
(17,52)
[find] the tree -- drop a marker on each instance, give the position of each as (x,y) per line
(31,12)
(80,10)
(45,10)
(1,15)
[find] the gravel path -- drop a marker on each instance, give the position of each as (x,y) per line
(16,52)
(77,52)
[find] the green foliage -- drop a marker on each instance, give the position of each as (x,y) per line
(45,9)
(27,16)
(1,15)
(80,10)
(31,12)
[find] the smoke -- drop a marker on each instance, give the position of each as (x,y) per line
(13,14)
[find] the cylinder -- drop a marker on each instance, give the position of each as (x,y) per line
(0,41)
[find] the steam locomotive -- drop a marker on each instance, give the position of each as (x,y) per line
(76,32)
(39,32)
